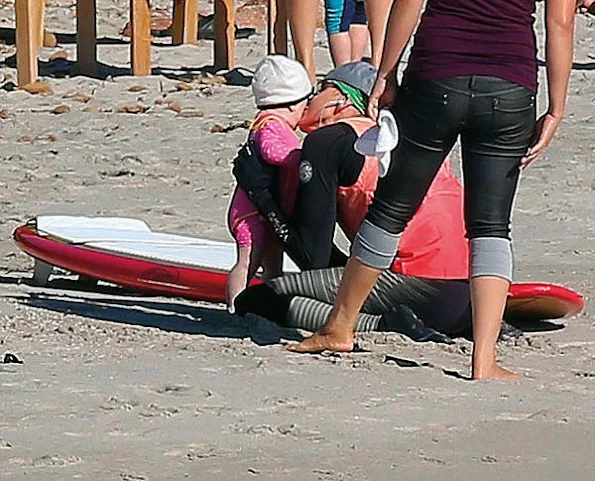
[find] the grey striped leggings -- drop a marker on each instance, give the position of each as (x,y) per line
(304,300)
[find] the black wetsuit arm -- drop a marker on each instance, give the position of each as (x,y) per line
(328,161)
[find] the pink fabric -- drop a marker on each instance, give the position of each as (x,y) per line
(279,145)
(245,225)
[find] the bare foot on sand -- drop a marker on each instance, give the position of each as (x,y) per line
(324,341)
(493,371)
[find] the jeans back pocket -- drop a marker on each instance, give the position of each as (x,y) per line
(513,118)
(513,105)
(422,113)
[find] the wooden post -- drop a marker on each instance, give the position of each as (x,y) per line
(86,37)
(27,41)
(38,13)
(185,22)
(277,27)
(224,34)
(140,39)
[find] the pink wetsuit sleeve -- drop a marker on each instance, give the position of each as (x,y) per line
(277,144)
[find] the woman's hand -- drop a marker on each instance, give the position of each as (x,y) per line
(383,94)
(544,133)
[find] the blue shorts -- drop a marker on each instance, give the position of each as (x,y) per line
(341,14)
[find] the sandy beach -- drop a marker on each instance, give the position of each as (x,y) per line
(120,387)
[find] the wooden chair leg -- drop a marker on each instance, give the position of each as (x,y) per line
(277,27)
(140,39)
(27,41)
(86,37)
(224,34)
(185,22)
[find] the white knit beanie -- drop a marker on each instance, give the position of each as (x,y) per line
(279,80)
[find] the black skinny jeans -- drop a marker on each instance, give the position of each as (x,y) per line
(495,120)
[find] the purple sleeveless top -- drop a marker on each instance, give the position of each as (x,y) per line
(476,37)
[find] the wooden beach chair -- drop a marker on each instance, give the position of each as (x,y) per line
(30,26)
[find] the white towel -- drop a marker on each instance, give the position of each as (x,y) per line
(380,140)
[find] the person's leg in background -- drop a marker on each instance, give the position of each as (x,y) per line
(497,137)
(302,16)
(359,34)
(338,14)
(429,122)
(377,14)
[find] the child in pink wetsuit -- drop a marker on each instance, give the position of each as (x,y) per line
(281,88)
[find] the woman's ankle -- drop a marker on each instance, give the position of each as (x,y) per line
(338,322)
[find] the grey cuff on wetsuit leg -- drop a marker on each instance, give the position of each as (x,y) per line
(374,246)
(491,256)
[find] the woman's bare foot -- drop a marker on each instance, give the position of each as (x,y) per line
(324,341)
(492,371)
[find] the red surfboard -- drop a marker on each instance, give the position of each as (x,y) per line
(126,252)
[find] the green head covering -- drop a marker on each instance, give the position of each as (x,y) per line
(354,95)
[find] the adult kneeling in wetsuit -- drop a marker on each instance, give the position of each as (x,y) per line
(427,281)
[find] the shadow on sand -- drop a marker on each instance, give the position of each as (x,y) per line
(61,68)
(126,306)
(114,304)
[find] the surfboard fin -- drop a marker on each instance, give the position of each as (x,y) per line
(41,272)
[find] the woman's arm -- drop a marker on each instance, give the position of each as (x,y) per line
(559,28)
(403,18)
(402,21)
(559,22)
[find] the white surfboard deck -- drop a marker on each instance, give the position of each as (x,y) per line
(133,237)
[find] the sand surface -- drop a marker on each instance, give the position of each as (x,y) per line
(126,388)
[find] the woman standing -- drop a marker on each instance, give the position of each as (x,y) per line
(472,73)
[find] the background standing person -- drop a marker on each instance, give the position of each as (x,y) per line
(346,29)
(472,73)
(302,16)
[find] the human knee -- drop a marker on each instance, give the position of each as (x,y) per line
(492,256)
(489,226)
(391,217)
